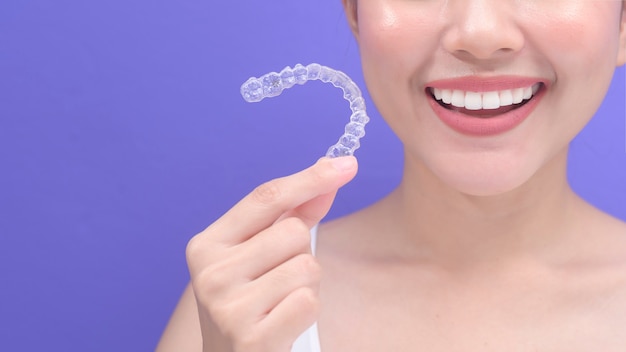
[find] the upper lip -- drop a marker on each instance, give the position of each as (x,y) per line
(485,84)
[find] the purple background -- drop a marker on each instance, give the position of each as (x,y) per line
(122,134)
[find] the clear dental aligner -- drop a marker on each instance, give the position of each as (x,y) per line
(272,84)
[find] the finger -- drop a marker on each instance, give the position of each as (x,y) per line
(249,260)
(310,211)
(272,247)
(268,202)
(272,287)
(238,309)
(289,319)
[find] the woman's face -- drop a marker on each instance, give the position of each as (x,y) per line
(484,56)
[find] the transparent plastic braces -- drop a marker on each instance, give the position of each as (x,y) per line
(272,84)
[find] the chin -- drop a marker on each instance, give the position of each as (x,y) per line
(484,189)
(484,180)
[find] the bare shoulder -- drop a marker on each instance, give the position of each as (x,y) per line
(616,261)
(599,277)
(606,240)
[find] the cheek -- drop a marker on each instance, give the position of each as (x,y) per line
(393,35)
(580,34)
(581,45)
(395,41)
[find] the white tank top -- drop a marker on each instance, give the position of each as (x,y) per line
(309,341)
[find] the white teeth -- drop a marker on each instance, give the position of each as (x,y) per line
(437,93)
(535,88)
(518,95)
(446,96)
(491,100)
(506,98)
(473,101)
(458,98)
(528,93)
(484,100)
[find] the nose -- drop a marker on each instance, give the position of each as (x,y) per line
(482,30)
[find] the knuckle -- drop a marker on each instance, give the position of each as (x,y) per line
(194,247)
(307,300)
(203,248)
(302,270)
(306,264)
(221,312)
(297,234)
(309,297)
(229,310)
(213,279)
(267,193)
(295,225)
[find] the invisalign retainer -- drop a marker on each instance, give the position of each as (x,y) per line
(272,84)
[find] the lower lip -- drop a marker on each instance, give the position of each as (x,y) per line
(485,126)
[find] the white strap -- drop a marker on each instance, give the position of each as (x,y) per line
(314,339)
(314,239)
(309,341)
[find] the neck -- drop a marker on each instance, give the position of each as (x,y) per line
(457,229)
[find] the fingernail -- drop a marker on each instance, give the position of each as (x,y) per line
(343,163)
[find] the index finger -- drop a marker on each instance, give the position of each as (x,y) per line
(263,206)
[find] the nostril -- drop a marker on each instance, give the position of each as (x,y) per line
(481,41)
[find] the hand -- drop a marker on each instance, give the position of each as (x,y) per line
(252,271)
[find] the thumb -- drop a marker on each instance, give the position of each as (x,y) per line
(314,210)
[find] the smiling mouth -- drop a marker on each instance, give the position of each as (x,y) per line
(484,104)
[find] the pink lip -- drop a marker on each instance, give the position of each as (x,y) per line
(485,126)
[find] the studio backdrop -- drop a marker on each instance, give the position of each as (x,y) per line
(123,134)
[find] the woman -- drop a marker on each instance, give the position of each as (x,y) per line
(482,247)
